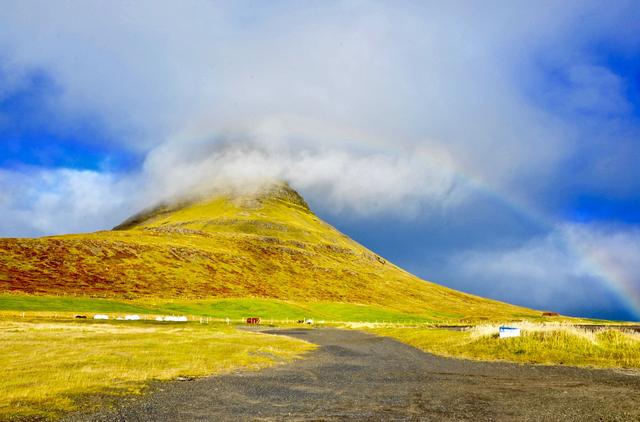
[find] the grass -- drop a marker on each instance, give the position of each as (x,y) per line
(29,303)
(277,310)
(51,367)
(539,344)
(268,246)
(235,309)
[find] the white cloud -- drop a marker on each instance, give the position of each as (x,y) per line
(41,202)
(375,78)
(571,268)
(38,201)
(374,107)
(612,252)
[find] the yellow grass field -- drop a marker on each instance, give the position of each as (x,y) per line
(51,367)
(555,344)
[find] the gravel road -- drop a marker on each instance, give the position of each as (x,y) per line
(357,376)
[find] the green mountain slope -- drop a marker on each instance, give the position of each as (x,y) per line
(264,245)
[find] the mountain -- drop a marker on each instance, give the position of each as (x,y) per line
(266,244)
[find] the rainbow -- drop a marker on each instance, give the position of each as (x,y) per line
(599,264)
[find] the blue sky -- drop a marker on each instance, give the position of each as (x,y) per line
(492,148)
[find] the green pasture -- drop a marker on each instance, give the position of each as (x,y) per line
(234,309)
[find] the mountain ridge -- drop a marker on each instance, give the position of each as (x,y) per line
(277,190)
(265,244)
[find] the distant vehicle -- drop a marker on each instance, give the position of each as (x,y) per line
(308,321)
(173,318)
(253,320)
(550,314)
(505,332)
(81,316)
(131,317)
(101,316)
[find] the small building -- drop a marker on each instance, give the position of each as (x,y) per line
(101,316)
(176,318)
(506,332)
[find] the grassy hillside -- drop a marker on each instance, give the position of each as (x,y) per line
(266,245)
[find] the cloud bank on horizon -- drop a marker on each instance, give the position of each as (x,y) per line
(489,147)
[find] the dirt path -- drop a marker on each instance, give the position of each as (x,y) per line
(356,376)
